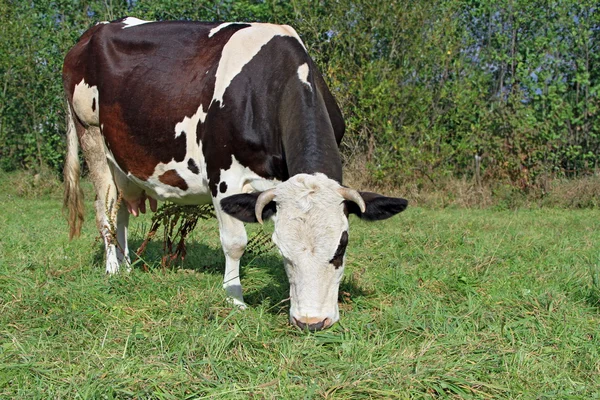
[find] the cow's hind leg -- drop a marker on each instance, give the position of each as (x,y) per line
(234,240)
(122,225)
(131,193)
(108,210)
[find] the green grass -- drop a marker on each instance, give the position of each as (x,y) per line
(449,303)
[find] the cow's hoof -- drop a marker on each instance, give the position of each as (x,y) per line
(237,303)
(125,262)
(126,265)
(112,267)
(234,296)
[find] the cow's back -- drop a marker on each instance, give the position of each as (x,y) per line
(181,103)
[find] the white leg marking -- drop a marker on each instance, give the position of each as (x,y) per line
(232,232)
(234,240)
(110,247)
(92,145)
(112,265)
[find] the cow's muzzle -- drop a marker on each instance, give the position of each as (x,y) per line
(312,324)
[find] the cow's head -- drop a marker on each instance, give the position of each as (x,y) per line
(311,232)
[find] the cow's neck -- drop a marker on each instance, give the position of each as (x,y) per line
(312,153)
(308,140)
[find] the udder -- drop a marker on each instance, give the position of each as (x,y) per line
(135,205)
(133,195)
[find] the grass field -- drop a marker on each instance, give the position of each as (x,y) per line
(450,303)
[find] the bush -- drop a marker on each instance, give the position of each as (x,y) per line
(424,86)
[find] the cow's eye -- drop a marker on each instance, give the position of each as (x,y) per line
(338,257)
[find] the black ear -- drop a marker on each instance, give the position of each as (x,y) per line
(241,206)
(378,207)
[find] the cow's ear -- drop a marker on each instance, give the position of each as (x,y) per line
(242,206)
(378,207)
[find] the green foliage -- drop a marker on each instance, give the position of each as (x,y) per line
(35,36)
(424,86)
(544,102)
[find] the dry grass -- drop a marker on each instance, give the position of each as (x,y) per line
(450,192)
(38,184)
(35,184)
(578,193)
(447,192)
(465,193)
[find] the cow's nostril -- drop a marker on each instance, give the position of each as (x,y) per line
(316,326)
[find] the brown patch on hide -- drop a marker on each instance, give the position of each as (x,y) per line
(130,155)
(172,178)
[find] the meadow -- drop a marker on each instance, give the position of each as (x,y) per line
(435,303)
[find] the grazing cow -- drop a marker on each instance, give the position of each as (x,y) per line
(233,113)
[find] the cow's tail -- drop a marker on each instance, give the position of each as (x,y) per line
(73,196)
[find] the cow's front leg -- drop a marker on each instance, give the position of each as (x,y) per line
(234,240)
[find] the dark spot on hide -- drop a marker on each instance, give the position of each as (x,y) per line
(338,257)
(94,104)
(193,167)
(172,178)
(223,187)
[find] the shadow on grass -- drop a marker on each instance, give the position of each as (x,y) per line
(207,259)
(350,290)
(589,296)
(592,297)
(203,258)
(589,293)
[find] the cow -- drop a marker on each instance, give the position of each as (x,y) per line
(236,114)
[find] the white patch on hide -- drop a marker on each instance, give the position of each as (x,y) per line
(303,71)
(193,150)
(237,177)
(189,124)
(197,191)
(132,21)
(214,31)
(85,103)
(241,49)
(240,179)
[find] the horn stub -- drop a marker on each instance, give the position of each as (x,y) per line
(263,199)
(353,196)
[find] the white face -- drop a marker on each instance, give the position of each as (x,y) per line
(311,232)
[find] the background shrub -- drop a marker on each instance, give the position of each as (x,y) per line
(424,86)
